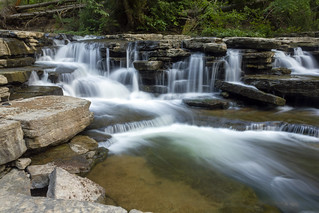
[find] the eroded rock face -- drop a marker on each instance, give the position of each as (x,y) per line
(49,120)
(211,46)
(64,185)
(251,93)
(12,145)
(148,65)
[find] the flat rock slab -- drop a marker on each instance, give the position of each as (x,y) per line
(49,120)
(19,74)
(250,92)
(293,88)
(12,145)
(252,43)
(24,203)
(64,185)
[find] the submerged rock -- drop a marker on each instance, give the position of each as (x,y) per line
(12,145)
(64,185)
(250,92)
(208,103)
(49,120)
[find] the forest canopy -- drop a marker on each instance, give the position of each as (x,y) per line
(194,17)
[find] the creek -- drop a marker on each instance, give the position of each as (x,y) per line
(165,157)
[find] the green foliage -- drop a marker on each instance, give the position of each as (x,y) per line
(293,15)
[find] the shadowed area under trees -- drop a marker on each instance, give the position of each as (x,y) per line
(221,18)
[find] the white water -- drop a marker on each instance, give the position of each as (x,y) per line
(233,65)
(264,160)
(301,63)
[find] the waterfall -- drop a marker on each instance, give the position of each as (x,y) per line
(233,65)
(301,63)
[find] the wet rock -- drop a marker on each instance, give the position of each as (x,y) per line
(3,80)
(16,62)
(40,174)
(49,120)
(279,71)
(12,145)
(83,144)
(148,65)
(252,43)
(207,103)
(22,163)
(297,90)
(64,185)
(23,203)
(250,92)
(34,91)
(15,182)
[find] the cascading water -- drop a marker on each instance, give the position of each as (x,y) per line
(233,65)
(145,127)
(301,63)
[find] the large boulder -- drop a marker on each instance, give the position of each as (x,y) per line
(251,93)
(297,90)
(12,145)
(64,185)
(49,120)
(259,44)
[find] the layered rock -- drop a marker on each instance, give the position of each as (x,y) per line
(12,145)
(64,185)
(258,62)
(251,93)
(210,46)
(49,120)
(34,91)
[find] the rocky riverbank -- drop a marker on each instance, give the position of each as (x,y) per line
(42,151)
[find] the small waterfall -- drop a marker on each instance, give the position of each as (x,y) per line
(301,63)
(215,72)
(233,65)
(108,66)
(285,127)
(188,76)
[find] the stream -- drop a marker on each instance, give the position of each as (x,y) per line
(166,157)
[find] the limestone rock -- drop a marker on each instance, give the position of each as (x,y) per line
(16,62)
(12,145)
(23,203)
(148,65)
(22,163)
(49,120)
(4,93)
(16,76)
(3,80)
(218,49)
(207,103)
(251,93)
(40,174)
(15,182)
(14,47)
(83,144)
(64,185)
(252,43)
